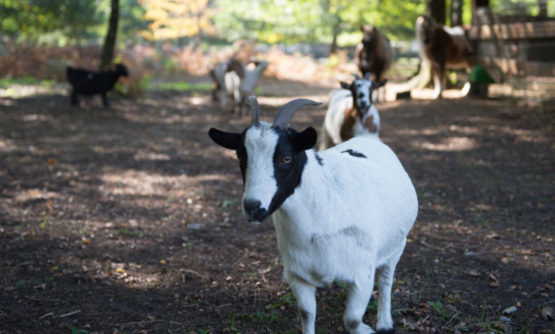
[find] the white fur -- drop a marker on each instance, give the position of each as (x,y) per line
(232,85)
(348,218)
(260,184)
(339,101)
(459,39)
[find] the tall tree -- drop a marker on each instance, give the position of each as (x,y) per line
(436,9)
(110,40)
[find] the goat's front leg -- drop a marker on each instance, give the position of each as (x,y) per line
(104,100)
(358,296)
(305,295)
(438,82)
(74,99)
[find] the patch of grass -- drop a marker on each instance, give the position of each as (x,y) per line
(130,233)
(438,307)
(26,81)
(183,86)
(229,202)
(266,318)
(372,306)
(287,299)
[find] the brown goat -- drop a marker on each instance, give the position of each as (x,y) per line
(374,53)
(444,48)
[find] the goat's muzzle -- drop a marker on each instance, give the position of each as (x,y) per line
(253,210)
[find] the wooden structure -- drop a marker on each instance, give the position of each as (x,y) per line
(517,48)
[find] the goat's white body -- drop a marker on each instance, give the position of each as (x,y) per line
(339,101)
(370,207)
(348,217)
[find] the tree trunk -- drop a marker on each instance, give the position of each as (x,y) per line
(456,12)
(542,4)
(110,40)
(436,9)
(475,5)
(335,32)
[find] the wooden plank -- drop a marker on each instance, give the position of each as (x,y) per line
(513,31)
(519,67)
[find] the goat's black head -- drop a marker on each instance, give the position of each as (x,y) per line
(271,158)
(121,70)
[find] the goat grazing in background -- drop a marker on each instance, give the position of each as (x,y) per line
(443,48)
(233,78)
(374,53)
(84,82)
(340,215)
(351,112)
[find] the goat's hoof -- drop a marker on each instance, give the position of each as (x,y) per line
(385,331)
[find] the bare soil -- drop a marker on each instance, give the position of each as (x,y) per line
(128,221)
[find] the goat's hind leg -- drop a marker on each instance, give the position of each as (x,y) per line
(358,296)
(305,295)
(385,284)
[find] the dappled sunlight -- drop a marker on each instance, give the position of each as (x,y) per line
(7,145)
(34,194)
(450,144)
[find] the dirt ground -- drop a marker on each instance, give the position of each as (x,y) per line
(128,221)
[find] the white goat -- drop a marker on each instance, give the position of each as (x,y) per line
(339,215)
(233,78)
(351,112)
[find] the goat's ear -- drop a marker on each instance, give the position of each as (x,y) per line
(226,139)
(345,85)
(305,140)
(380,83)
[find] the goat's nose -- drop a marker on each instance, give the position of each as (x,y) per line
(250,205)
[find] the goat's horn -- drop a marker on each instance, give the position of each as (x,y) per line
(255,110)
(356,76)
(287,111)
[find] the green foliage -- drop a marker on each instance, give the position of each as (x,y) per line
(291,21)
(67,21)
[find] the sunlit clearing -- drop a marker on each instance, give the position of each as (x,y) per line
(449,144)
(30,194)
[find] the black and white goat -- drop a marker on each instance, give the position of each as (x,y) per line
(84,82)
(351,112)
(233,78)
(340,215)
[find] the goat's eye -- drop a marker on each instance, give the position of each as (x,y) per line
(286,159)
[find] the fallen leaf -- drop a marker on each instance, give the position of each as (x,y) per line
(510,310)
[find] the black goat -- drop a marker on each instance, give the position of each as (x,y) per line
(85,82)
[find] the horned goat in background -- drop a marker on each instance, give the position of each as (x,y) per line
(340,215)
(234,79)
(351,112)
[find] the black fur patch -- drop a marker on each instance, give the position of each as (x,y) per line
(353,324)
(242,156)
(319,159)
(287,175)
(354,153)
(304,315)
(386,331)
